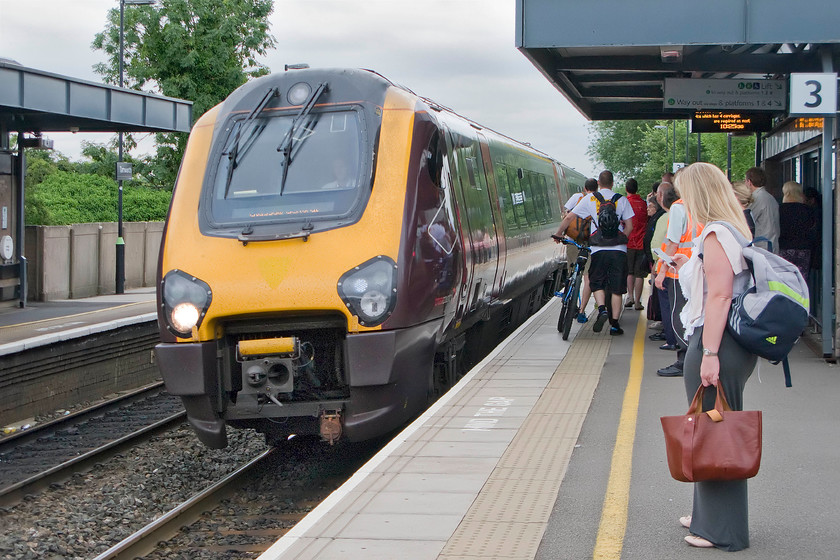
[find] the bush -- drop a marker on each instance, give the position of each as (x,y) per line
(65,198)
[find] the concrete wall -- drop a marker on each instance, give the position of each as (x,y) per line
(63,374)
(66,262)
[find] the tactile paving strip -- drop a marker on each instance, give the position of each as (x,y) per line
(508,518)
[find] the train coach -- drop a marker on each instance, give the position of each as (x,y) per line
(339,251)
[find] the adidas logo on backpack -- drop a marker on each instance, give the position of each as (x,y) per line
(768,318)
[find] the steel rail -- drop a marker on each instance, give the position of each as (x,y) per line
(21,437)
(15,492)
(163,528)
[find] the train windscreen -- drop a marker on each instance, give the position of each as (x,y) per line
(276,169)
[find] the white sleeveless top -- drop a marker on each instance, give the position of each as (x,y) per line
(693,277)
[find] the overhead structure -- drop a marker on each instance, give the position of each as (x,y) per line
(610,58)
(37,101)
(33,102)
(669,59)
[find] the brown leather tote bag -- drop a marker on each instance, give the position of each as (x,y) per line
(720,444)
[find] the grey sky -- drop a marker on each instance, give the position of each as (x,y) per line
(461,53)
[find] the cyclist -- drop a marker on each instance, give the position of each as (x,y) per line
(590,186)
(609,263)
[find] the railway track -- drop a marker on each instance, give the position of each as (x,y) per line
(47,454)
(243,514)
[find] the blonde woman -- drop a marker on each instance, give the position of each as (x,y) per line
(744,196)
(797,234)
(714,273)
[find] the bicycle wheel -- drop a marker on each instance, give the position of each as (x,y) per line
(563,312)
(571,306)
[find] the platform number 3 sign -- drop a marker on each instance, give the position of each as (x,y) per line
(813,94)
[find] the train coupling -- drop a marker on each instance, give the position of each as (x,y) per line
(330,425)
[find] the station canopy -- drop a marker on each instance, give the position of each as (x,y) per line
(610,58)
(36,101)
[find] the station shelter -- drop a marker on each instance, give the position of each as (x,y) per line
(773,62)
(34,102)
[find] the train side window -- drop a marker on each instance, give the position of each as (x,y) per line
(528,202)
(516,197)
(471,173)
(504,196)
(434,159)
(542,202)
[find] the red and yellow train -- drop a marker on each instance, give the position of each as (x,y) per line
(339,251)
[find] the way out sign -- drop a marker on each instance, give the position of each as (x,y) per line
(813,94)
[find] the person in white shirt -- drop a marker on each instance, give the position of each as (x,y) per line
(609,263)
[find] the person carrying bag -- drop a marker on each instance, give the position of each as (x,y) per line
(715,272)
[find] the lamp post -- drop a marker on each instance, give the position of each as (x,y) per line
(120,247)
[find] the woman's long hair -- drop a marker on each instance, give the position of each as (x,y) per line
(709,197)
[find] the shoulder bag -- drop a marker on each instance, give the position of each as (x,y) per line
(720,444)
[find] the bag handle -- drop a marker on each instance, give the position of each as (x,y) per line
(721,404)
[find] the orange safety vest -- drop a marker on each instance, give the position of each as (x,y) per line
(685,245)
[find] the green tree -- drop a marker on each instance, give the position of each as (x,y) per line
(743,153)
(618,146)
(200,50)
(646,149)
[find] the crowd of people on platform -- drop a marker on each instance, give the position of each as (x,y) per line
(661,236)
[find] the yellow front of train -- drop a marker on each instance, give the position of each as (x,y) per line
(280,261)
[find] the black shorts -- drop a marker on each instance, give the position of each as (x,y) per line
(637,263)
(608,271)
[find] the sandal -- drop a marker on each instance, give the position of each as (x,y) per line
(698,542)
(685,521)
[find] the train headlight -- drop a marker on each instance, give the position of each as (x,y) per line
(299,93)
(185,301)
(369,290)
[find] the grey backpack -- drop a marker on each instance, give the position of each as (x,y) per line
(768,318)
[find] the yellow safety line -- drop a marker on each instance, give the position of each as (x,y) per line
(65,317)
(614,513)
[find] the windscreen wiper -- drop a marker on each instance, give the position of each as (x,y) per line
(233,153)
(287,144)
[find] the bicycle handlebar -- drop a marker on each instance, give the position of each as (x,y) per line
(567,241)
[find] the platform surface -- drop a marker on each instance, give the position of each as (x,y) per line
(553,450)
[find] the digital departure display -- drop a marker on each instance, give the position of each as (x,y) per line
(808,123)
(724,121)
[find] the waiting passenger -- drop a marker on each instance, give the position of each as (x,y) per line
(719,517)
(797,235)
(744,196)
(764,208)
(636,261)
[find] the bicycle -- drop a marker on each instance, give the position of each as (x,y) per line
(571,291)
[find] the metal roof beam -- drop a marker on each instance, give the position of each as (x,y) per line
(749,63)
(634,92)
(584,79)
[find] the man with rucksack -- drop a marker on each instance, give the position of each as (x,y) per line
(612,221)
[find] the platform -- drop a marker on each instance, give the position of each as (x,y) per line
(59,354)
(44,323)
(553,450)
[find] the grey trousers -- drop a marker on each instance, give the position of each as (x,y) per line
(720,513)
(676,302)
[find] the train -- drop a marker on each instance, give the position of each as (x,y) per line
(339,251)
